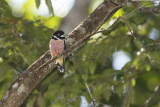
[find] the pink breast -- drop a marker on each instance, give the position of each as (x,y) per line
(56,47)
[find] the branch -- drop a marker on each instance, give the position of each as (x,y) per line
(31,77)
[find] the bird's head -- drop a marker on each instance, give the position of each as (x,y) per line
(59,35)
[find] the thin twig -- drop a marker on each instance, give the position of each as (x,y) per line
(152,44)
(152,96)
(94,102)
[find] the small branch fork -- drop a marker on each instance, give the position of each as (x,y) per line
(74,62)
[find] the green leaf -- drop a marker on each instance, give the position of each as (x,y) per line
(37,3)
(49,5)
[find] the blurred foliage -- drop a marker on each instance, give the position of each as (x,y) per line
(25,39)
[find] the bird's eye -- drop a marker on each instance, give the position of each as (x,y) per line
(58,34)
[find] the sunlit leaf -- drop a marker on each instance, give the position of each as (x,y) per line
(37,3)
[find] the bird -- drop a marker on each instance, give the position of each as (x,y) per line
(56,47)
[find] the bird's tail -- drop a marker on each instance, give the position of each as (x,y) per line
(61,69)
(60,64)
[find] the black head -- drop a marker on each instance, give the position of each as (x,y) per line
(58,34)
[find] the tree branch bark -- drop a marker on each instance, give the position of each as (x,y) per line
(28,80)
